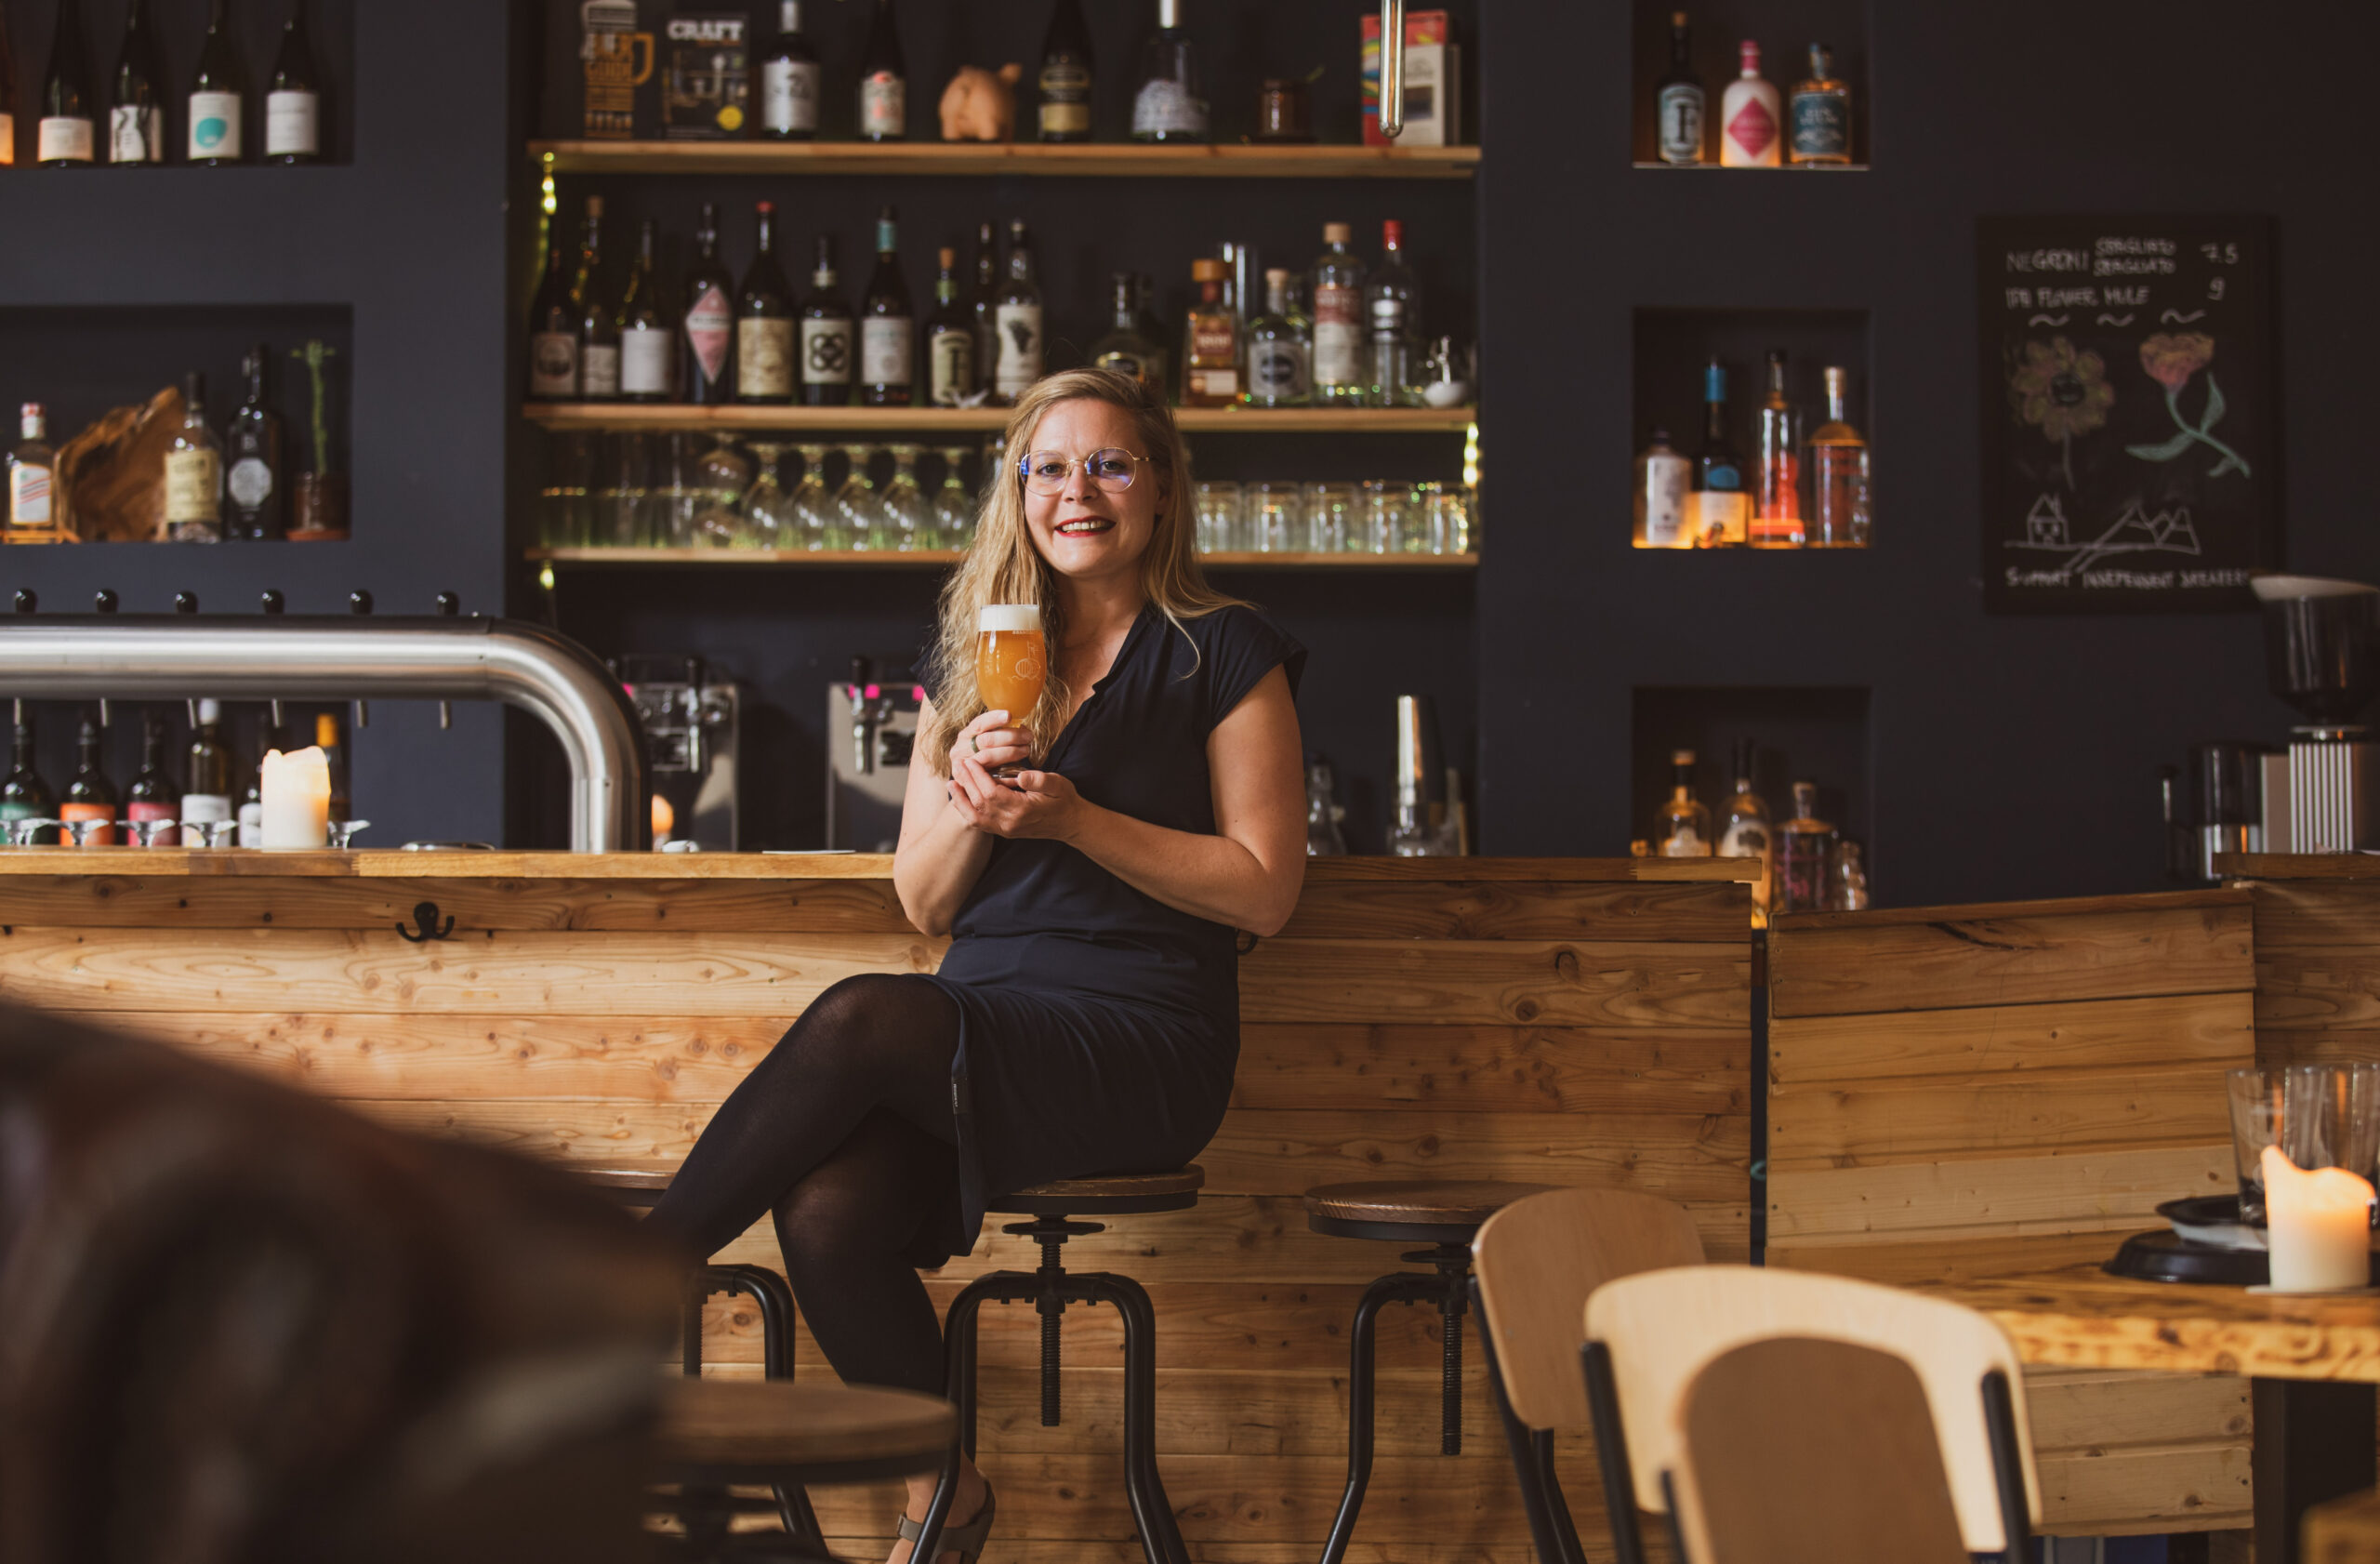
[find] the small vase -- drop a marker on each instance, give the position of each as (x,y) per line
(318,508)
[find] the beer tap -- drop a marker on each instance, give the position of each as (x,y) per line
(271,604)
(870,707)
(448,607)
(187,602)
(360,602)
(27,600)
(104,602)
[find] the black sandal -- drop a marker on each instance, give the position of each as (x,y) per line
(966,1541)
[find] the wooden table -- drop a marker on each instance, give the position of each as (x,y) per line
(2314,1362)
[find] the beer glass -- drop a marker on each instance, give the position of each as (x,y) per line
(1011,663)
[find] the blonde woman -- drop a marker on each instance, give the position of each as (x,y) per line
(1086,1018)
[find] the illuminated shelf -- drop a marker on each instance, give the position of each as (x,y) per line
(661,417)
(746,559)
(1108,159)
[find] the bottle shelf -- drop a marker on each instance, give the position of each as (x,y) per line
(1096,159)
(627,418)
(1780,168)
(930,559)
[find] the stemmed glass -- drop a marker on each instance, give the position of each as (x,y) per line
(769,520)
(903,508)
(857,502)
(954,508)
(814,514)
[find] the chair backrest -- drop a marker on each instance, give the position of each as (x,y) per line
(1794,1450)
(1662,1328)
(1539,1258)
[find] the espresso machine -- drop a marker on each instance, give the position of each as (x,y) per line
(871,728)
(692,728)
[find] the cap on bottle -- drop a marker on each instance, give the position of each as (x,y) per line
(1677,18)
(210,710)
(1681,757)
(765,208)
(947,257)
(1276,276)
(1207,270)
(326,729)
(193,390)
(1392,234)
(594,206)
(1337,233)
(1750,52)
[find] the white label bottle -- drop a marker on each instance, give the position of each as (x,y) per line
(1749,121)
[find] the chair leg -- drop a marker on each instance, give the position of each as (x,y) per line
(1611,1454)
(2009,1466)
(1403,1287)
(1565,1532)
(1522,1443)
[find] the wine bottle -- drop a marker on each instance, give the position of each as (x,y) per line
(884,80)
(825,336)
(553,331)
(153,796)
(599,329)
(215,96)
(1168,106)
(90,796)
(1126,349)
(1066,74)
(136,114)
(7,99)
(24,795)
(980,302)
(950,338)
(195,471)
(293,98)
(66,131)
(1016,319)
(648,342)
(206,796)
(252,441)
(764,322)
(326,739)
(789,80)
(708,325)
(888,326)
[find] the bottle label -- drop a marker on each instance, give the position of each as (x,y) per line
(1018,326)
(826,352)
(30,486)
(644,360)
(152,809)
(194,487)
(64,141)
(1338,335)
(1753,129)
(1821,125)
(1214,343)
(764,357)
(1684,841)
(1132,364)
(1276,369)
(136,135)
(1722,518)
(214,125)
(72,812)
(249,483)
(709,329)
(790,95)
(1669,484)
(886,350)
(1681,122)
(950,363)
(598,370)
(1213,383)
(1165,107)
(553,365)
(293,124)
(1065,99)
(7,140)
(205,809)
(883,104)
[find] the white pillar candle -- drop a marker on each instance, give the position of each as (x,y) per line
(296,792)
(2318,1227)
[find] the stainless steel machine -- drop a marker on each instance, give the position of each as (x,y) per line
(694,736)
(871,728)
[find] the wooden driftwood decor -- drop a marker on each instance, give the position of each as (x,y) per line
(112,477)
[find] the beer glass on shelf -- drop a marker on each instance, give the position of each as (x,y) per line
(1011,663)
(906,523)
(564,512)
(722,476)
(857,500)
(1219,518)
(1385,505)
(1333,518)
(1277,518)
(816,521)
(954,508)
(768,515)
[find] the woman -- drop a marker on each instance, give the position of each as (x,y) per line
(1086,1018)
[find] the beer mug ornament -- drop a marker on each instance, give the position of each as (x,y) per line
(609,45)
(1012,662)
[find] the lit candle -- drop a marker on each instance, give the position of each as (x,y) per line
(2318,1227)
(297,796)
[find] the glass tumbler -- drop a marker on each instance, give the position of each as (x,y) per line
(1220,506)
(1277,518)
(1333,517)
(1384,507)
(2321,1115)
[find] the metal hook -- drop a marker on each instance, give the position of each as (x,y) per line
(425,917)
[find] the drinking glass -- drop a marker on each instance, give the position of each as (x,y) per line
(863,518)
(2321,1115)
(1421,504)
(678,496)
(907,524)
(1220,506)
(1277,518)
(954,508)
(1011,663)
(1333,517)
(565,510)
(721,478)
(815,520)
(620,519)
(1384,507)
(768,515)
(1449,519)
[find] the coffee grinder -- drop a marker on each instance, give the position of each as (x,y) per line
(2323,794)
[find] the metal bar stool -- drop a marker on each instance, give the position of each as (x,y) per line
(1444,1215)
(1050,1290)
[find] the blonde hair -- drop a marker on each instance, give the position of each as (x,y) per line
(1003,565)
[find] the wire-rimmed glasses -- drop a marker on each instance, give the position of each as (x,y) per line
(1111,467)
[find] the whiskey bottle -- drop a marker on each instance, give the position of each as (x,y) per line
(36,514)
(1748,125)
(1821,113)
(1664,487)
(1683,828)
(1064,79)
(252,474)
(1678,100)
(1126,349)
(216,95)
(1722,506)
(884,80)
(136,112)
(648,342)
(1280,357)
(1167,106)
(553,330)
(1839,517)
(1777,502)
(1745,832)
(1210,342)
(1339,376)
(1016,319)
(598,327)
(152,797)
(1393,311)
(292,97)
(89,795)
(206,798)
(950,338)
(764,323)
(825,336)
(194,472)
(708,325)
(888,326)
(1804,845)
(24,795)
(789,78)
(66,130)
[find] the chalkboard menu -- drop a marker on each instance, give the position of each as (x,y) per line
(2129,457)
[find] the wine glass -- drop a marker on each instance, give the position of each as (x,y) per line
(906,524)
(819,525)
(769,520)
(856,501)
(1011,663)
(722,477)
(954,508)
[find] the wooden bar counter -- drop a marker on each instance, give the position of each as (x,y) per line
(1555,1020)
(2318,954)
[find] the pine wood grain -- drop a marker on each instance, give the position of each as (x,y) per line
(1904,1260)
(1998,1197)
(1487,1069)
(1457,982)
(1876,1123)
(2008,1039)
(1708,911)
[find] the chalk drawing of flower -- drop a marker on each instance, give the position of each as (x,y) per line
(2170,359)
(2061,392)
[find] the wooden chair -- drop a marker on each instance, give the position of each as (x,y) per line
(1649,1335)
(1794,1450)
(1533,1265)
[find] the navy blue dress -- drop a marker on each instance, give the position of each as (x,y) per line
(1100,1027)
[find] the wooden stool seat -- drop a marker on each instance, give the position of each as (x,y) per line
(1412,1211)
(779,1430)
(1106,1194)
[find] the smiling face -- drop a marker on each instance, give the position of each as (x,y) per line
(1084,531)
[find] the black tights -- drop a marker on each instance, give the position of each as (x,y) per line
(846,1131)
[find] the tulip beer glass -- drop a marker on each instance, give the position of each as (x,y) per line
(1011,663)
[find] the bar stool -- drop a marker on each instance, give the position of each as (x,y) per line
(1050,1290)
(1445,1214)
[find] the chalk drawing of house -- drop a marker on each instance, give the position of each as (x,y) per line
(2046,523)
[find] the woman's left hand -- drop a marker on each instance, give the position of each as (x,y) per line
(1032,803)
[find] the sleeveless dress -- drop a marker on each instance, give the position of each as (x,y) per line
(1098,1027)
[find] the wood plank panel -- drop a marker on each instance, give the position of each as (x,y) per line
(1570,982)
(2010,1039)
(1892,1257)
(1510,1070)
(2279,1047)
(2081,1409)
(1826,1124)
(2295,914)
(1990,1197)
(2318,988)
(2137,1489)
(2040,956)
(1710,911)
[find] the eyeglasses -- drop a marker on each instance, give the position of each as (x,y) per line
(1045,472)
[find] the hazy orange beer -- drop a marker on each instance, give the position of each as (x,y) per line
(1012,662)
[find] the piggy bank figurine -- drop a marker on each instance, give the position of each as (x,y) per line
(980,105)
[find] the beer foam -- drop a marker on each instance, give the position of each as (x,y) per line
(1010,618)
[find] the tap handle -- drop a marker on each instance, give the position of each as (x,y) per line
(449,604)
(358,602)
(104,602)
(861,669)
(273,602)
(27,600)
(185,602)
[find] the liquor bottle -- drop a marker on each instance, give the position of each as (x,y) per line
(153,795)
(888,326)
(1323,812)
(292,97)
(251,813)
(1016,319)
(1340,378)
(709,319)
(24,795)
(1280,359)
(980,303)
(1126,349)
(1722,506)
(1167,105)
(206,798)
(1393,308)
(1664,488)
(789,80)
(648,342)
(66,132)
(950,338)
(1803,844)
(90,796)
(252,454)
(764,321)
(884,80)
(195,471)
(599,329)
(553,331)
(34,513)
(1683,828)
(1678,101)
(1210,342)
(1748,128)
(7,99)
(136,112)
(1744,832)
(1839,517)
(1847,881)
(1064,79)
(326,739)
(1777,497)
(216,95)
(1821,113)
(825,336)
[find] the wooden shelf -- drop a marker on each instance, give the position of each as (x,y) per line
(1112,160)
(1780,168)
(627,416)
(746,559)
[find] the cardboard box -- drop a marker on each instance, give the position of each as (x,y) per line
(1433,83)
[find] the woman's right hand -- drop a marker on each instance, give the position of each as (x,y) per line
(991,743)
